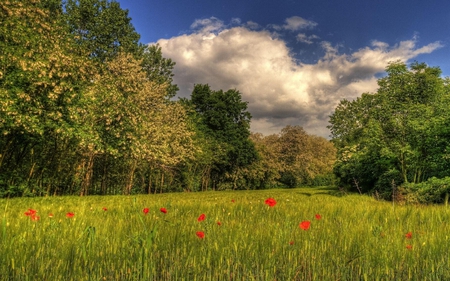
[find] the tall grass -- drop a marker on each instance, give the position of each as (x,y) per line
(357,238)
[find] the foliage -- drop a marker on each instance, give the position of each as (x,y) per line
(396,133)
(224,120)
(292,158)
(86,109)
(433,190)
(101,28)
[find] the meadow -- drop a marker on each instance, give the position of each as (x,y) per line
(302,234)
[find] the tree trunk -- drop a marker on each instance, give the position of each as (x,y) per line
(130,180)
(87,166)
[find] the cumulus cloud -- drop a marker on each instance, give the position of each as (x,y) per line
(280,90)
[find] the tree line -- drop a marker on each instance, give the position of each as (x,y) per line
(87,109)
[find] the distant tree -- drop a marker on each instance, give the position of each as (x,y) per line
(291,158)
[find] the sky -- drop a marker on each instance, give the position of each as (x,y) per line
(293,61)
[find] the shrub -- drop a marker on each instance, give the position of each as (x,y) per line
(433,190)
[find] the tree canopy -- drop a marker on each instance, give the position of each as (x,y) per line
(398,134)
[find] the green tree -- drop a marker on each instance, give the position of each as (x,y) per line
(225,122)
(389,137)
(101,28)
(41,84)
(159,69)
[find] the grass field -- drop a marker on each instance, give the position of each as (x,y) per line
(349,237)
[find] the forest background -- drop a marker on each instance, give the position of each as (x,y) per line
(86,109)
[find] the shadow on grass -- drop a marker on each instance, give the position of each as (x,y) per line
(326,190)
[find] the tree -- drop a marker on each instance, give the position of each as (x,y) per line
(225,122)
(159,69)
(41,85)
(389,137)
(101,28)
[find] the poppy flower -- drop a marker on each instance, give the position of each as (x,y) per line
(105,209)
(409,247)
(232,201)
(146,210)
(200,234)
(219,223)
(50,215)
(318,217)
(202,217)
(305,225)
(70,215)
(30,212)
(408,235)
(163,210)
(271,202)
(35,218)
(291,243)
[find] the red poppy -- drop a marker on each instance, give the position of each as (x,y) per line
(271,202)
(200,234)
(202,217)
(305,225)
(219,223)
(409,247)
(318,217)
(70,215)
(291,243)
(50,215)
(30,212)
(408,235)
(105,209)
(232,201)
(163,210)
(146,210)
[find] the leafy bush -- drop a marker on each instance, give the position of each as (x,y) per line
(433,190)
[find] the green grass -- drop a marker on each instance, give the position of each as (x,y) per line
(357,238)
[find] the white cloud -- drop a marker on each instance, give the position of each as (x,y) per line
(294,23)
(208,25)
(252,25)
(280,91)
(297,23)
(302,37)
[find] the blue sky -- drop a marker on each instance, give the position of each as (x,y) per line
(293,61)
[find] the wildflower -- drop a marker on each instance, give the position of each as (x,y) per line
(305,225)
(30,212)
(50,215)
(163,210)
(35,218)
(146,210)
(200,234)
(318,217)
(271,202)
(105,209)
(408,235)
(232,201)
(291,243)
(219,223)
(202,217)
(409,247)
(70,215)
